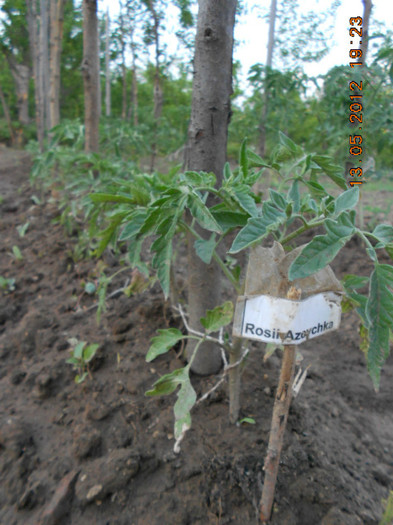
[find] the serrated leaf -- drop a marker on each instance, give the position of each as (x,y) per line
(218,317)
(334,172)
(163,342)
(346,200)
(323,248)
(383,233)
(244,198)
(202,214)
(379,310)
(89,352)
(167,383)
(243,158)
(205,248)
(186,398)
(256,161)
(294,196)
(278,199)
(229,219)
(162,262)
(133,225)
(259,227)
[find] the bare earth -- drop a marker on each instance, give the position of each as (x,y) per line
(102,453)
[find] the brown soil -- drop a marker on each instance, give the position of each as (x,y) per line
(102,453)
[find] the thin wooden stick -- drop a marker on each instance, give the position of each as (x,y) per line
(279,422)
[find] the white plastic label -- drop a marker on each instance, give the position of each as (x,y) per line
(283,321)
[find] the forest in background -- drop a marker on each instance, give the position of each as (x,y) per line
(146,93)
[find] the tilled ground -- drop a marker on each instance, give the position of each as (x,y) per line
(102,453)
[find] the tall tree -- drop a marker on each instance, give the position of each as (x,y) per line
(107,68)
(206,148)
(14,45)
(90,71)
(56,15)
(269,63)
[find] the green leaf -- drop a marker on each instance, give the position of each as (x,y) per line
(163,342)
(79,379)
(73,361)
(244,198)
(162,262)
(256,161)
(168,383)
(78,350)
(200,179)
(108,197)
(316,189)
(228,175)
(133,225)
(202,214)
(294,196)
(346,200)
(220,316)
(379,310)
(323,248)
(354,281)
(205,248)
(383,233)
(259,227)
(186,398)
(278,199)
(17,253)
(89,352)
(334,172)
(248,420)
(243,158)
(228,220)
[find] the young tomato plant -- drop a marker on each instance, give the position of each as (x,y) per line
(81,357)
(155,211)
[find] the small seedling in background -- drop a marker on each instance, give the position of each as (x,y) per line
(16,253)
(81,357)
(22,229)
(8,285)
(246,421)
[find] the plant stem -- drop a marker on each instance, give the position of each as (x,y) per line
(300,230)
(234,380)
(279,422)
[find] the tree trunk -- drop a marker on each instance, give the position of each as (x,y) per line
(44,50)
(206,150)
(157,85)
(123,65)
(21,75)
(269,63)
(134,83)
(34,25)
(367,6)
(7,116)
(56,37)
(90,71)
(107,70)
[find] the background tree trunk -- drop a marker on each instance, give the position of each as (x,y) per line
(7,116)
(90,71)
(367,6)
(33,20)
(134,83)
(269,63)
(107,70)
(206,149)
(157,83)
(56,37)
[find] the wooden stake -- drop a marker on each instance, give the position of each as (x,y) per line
(279,422)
